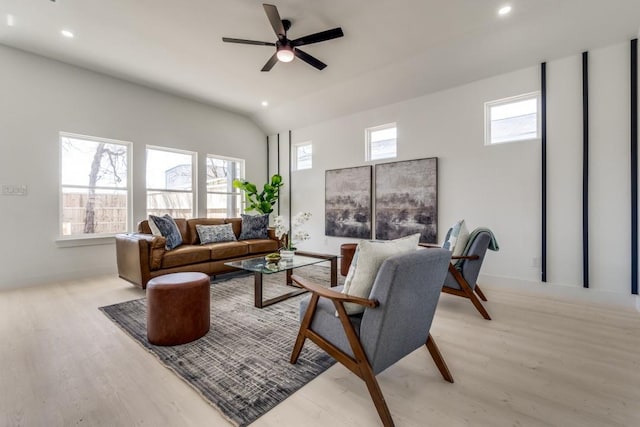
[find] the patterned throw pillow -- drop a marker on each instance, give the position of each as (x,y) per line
(215,233)
(168,229)
(254,227)
(366,262)
(457,238)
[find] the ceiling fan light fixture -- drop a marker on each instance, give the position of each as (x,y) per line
(285,54)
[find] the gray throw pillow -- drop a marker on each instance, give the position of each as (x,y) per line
(215,233)
(254,227)
(168,229)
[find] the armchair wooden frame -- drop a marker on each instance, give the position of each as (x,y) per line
(359,364)
(466,291)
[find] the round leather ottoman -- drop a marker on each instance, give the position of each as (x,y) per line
(347,250)
(177,308)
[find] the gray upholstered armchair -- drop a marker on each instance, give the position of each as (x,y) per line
(463,273)
(396,320)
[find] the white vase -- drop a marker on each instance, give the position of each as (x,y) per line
(285,254)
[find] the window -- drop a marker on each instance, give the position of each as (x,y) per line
(170,182)
(512,119)
(94,186)
(223,201)
(303,155)
(381,142)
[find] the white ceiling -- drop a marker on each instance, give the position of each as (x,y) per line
(392,50)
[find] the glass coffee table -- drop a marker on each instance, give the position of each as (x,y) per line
(260,266)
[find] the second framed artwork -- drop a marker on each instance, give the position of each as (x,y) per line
(406,195)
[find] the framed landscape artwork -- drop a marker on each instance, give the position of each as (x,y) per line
(407,199)
(348,202)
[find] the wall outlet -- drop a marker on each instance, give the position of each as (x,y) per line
(14,190)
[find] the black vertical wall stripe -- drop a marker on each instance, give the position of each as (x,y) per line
(543,131)
(290,182)
(268,158)
(278,172)
(585,169)
(634,166)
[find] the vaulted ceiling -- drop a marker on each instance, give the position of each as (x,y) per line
(392,50)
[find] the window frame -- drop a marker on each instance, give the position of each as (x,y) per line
(510,100)
(129,187)
(194,177)
(237,193)
(367,141)
(296,159)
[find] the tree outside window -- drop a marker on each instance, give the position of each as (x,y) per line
(94,185)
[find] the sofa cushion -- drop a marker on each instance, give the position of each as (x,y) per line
(194,238)
(185,255)
(257,246)
(254,227)
(226,250)
(166,226)
(215,233)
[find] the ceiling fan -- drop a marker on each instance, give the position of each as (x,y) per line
(287,50)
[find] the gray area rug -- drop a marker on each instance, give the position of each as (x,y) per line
(242,365)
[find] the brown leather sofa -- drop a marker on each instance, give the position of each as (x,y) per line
(142,256)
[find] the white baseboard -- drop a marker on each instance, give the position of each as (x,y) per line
(561,292)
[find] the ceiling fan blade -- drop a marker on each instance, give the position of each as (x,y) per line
(318,37)
(243,41)
(274,19)
(310,59)
(270,63)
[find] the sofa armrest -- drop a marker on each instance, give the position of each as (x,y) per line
(136,254)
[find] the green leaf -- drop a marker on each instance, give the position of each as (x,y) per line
(251,188)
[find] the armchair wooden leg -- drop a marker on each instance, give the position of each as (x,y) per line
(480,293)
(437,357)
(476,302)
(376,394)
(468,292)
(306,323)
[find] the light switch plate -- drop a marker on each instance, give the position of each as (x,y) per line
(14,190)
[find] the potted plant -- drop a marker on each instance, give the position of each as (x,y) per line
(261,202)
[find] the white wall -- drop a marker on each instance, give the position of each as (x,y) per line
(500,186)
(39,98)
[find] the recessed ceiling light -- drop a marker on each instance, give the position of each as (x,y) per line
(265,103)
(504,10)
(10,20)
(67,34)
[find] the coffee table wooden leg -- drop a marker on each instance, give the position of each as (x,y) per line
(334,271)
(257,291)
(289,280)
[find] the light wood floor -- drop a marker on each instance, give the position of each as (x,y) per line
(538,363)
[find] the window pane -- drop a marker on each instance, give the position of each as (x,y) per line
(169,170)
(93,163)
(221,173)
(382,143)
(383,134)
(99,211)
(514,121)
(178,204)
(223,205)
(304,156)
